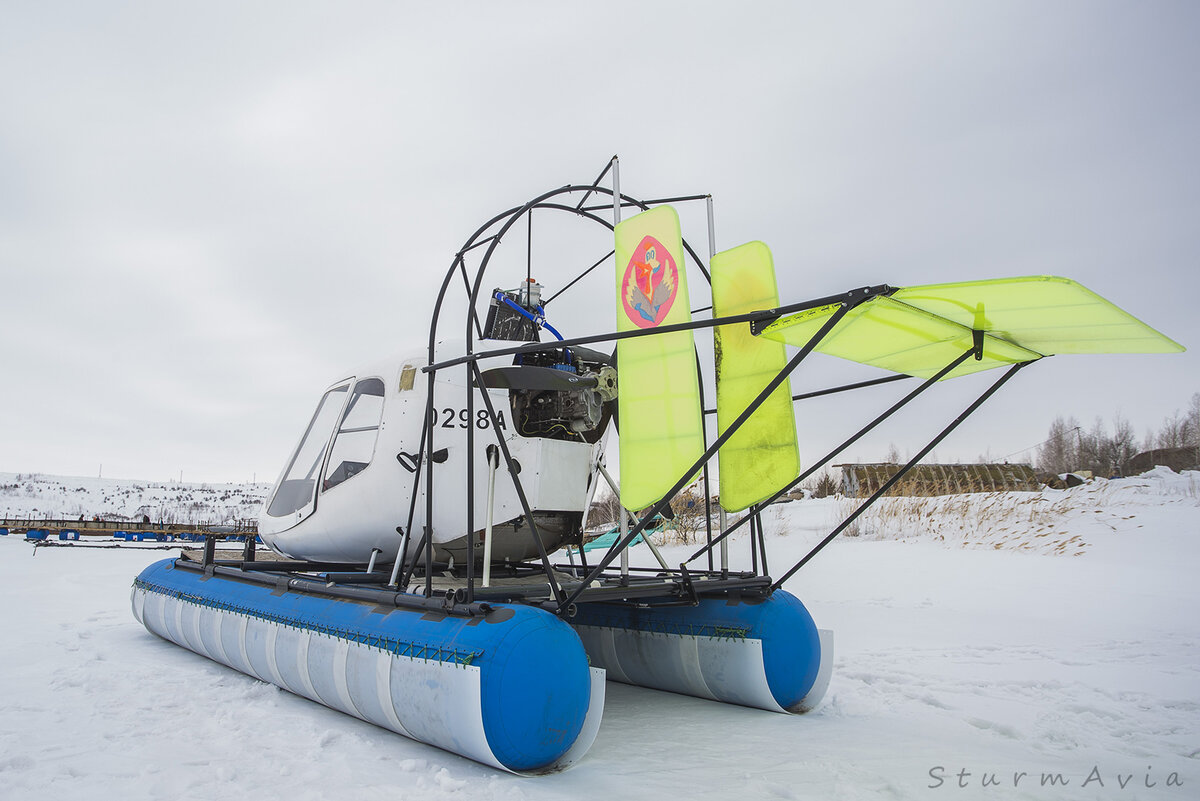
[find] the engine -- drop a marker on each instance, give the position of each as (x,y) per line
(578,415)
(560,412)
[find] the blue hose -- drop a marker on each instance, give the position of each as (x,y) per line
(538,319)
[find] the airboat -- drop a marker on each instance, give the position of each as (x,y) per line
(425,572)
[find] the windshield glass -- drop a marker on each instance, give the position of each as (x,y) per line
(297,488)
(355,443)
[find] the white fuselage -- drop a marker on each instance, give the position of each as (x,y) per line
(329,508)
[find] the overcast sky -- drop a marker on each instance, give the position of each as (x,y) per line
(210,211)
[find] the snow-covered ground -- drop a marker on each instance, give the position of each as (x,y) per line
(970,648)
(31,495)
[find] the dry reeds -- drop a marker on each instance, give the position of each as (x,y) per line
(1020,521)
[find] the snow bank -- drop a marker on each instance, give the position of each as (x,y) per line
(1054,522)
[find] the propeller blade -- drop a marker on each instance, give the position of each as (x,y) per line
(536,378)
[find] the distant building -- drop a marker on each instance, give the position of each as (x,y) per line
(861,480)
(1178,459)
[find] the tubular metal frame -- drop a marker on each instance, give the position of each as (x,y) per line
(559,587)
(590,585)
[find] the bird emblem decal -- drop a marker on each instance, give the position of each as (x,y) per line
(650,284)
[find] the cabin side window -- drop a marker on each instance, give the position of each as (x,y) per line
(297,487)
(355,442)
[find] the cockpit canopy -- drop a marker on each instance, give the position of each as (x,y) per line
(338,444)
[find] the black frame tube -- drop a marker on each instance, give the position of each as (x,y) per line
(721,440)
(404,574)
(449,604)
(758,321)
(853,297)
(608,166)
(510,217)
(933,443)
(579,277)
(708,533)
(843,388)
(512,470)
(862,432)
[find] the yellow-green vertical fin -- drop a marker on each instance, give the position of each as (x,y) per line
(763,455)
(661,422)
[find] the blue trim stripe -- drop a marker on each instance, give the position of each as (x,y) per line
(389,645)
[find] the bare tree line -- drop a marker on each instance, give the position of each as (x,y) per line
(1071,447)
(1068,448)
